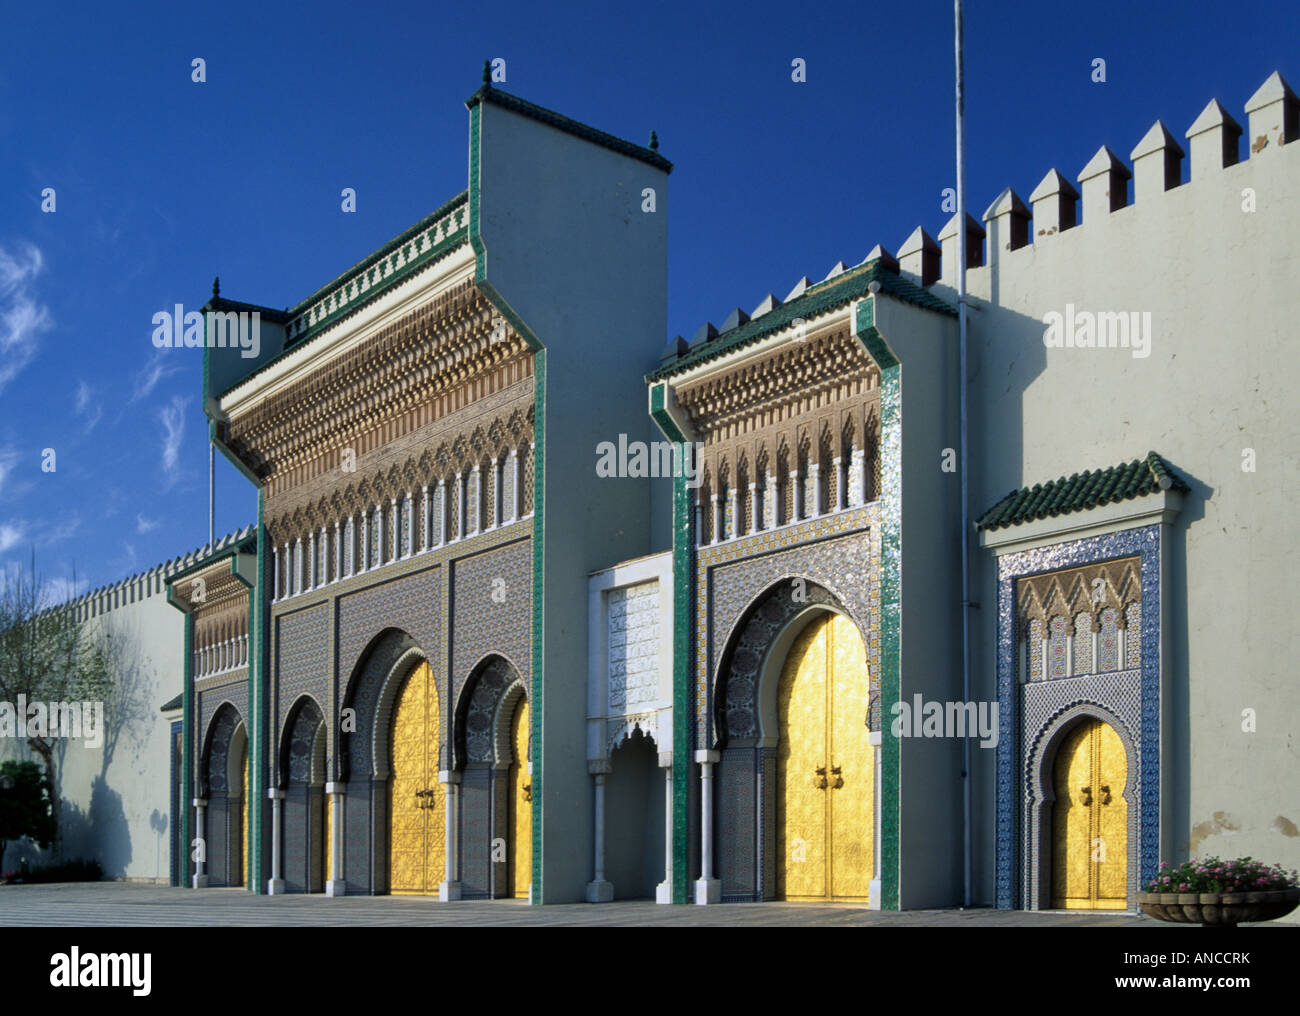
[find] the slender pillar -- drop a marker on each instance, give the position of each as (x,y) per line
(857,479)
(840,484)
(450,888)
(707,888)
(338,551)
(796,497)
(664,890)
(460,506)
(815,486)
(297,565)
(442,513)
(200,863)
(770,498)
(873,887)
(275,574)
(733,496)
(365,540)
(717,519)
(335,886)
(313,580)
(427,539)
(275,887)
(475,483)
(699,521)
(598,889)
(513,476)
(753,508)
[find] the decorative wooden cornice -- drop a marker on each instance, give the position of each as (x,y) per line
(1088,589)
(797,378)
(441,357)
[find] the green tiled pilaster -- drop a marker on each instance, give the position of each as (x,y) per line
(683,571)
(536,702)
(891,546)
(187,751)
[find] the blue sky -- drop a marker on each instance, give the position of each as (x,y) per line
(161,183)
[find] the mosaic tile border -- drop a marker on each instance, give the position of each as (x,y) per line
(1145,542)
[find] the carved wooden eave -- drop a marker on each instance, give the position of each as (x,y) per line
(435,359)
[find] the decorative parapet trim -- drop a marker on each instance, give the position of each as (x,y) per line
(560,122)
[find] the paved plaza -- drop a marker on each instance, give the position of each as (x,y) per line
(117,904)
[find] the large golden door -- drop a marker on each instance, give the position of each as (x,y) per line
(1090,820)
(520,865)
(825,774)
(415,799)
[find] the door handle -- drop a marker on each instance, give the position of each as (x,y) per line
(839,780)
(1105,795)
(820,781)
(528,791)
(1087,795)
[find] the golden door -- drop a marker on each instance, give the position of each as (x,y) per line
(825,774)
(415,799)
(243,843)
(520,862)
(1090,820)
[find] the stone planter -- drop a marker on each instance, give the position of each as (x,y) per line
(1218,908)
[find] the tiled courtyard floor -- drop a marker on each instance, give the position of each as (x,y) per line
(116,904)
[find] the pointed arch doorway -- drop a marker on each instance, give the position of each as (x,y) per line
(416,801)
(1090,819)
(825,773)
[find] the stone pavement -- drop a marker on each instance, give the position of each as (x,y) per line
(117,904)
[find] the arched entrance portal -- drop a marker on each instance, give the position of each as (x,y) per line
(224,785)
(520,869)
(416,802)
(244,807)
(824,773)
(1090,819)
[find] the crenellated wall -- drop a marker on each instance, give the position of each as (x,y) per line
(1203,276)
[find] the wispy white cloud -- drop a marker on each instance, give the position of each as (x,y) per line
(61,590)
(143,525)
(8,459)
(86,406)
(148,377)
(172,418)
(51,534)
(11,534)
(22,317)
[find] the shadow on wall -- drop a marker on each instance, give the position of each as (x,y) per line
(100,833)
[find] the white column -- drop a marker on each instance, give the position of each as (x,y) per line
(450,888)
(1046,641)
(459,495)
(297,565)
(840,484)
(275,574)
(664,890)
(275,886)
(395,534)
(427,539)
(857,479)
(363,558)
(796,496)
(770,498)
(313,580)
(335,886)
(717,519)
(599,890)
(707,888)
(338,551)
(814,482)
(475,483)
(513,478)
(1069,647)
(200,875)
(733,495)
(442,513)
(873,886)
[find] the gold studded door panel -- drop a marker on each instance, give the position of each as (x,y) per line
(802,779)
(1090,820)
(852,776)
(1111,842)
(415,798)
(521,807)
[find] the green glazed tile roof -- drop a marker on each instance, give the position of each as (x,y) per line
(552,119)
(1082,491)
(827,295)
(171,704)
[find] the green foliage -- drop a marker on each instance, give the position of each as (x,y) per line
(1212,875)
(24,804)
